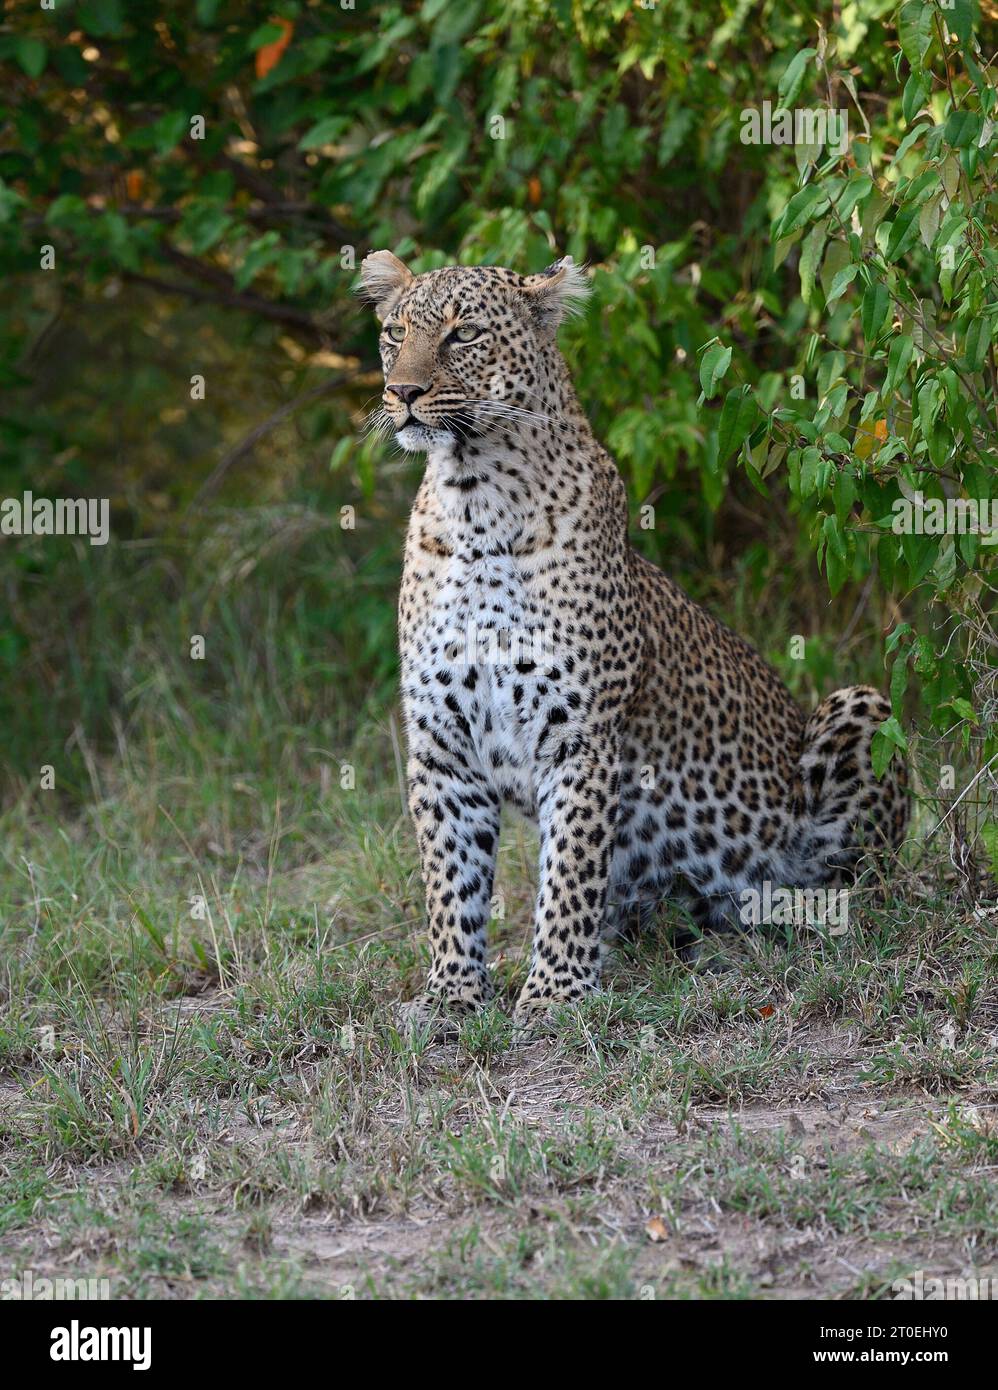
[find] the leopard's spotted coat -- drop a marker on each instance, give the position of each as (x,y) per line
(658,752)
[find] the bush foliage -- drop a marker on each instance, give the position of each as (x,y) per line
(786,342)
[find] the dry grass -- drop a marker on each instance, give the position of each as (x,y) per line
(218,1105)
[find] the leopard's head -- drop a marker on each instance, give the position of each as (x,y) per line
(466,350)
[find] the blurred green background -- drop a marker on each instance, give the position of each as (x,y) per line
(506,133)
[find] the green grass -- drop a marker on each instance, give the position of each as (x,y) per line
(210,1099)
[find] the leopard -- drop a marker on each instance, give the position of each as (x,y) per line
(548,667)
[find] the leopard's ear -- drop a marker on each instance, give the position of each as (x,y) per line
(557,292)
(384,278)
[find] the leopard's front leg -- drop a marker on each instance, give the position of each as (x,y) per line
(456,814)
(577,811)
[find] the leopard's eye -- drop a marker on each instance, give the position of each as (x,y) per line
(466,334)
(395,331)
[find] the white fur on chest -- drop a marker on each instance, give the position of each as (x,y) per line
(499,659)
(484,655)
(485,652)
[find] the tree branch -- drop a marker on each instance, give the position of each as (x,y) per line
(248,303)
(214,479)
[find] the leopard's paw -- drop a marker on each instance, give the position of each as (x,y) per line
(541,1017)
(433,1017)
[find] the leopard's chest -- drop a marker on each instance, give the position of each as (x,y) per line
(485,662)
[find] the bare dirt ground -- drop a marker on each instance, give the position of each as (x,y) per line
(699,1142)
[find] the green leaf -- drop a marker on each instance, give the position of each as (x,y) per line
(802,208)
(844,493)
(962,129)
(341,453)
(66,210)
(10,202)
(899,681)
(899,357)
(104,18)
(836,571)
(674,134)
(31,54)
(949,173)
(944,567)
(830,368)
(440,169)
(204,223)
(713,365)
(841,283)
(964,709)
(915,30)
(960,16)
(834,536)
(913,98)
(262,253)
(929,218)
(874,208)
(324,132)
(930,399)
(977,342)
(858,188)
(836,258)
(266,33)
(876,302)
(887,558)
(809,465)
(738,416)
(810,258)
(887,741)
(920,553)
(793,77)
(903,234)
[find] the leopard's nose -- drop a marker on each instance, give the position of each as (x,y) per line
(407,392)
